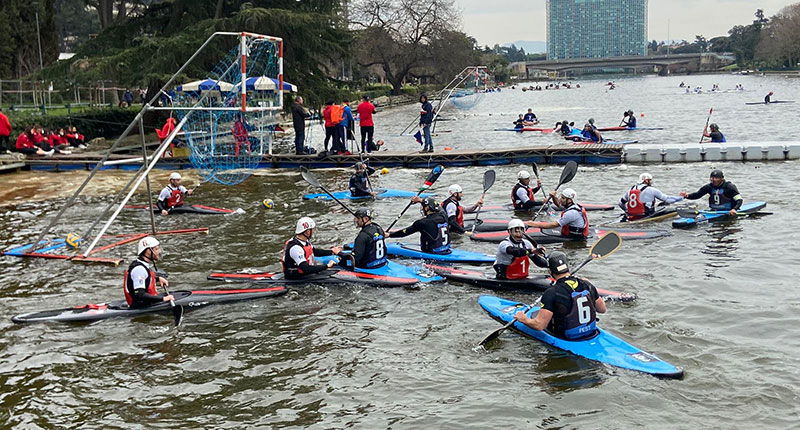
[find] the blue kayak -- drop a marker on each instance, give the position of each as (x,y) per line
(716,216)
(603,346)
(454,256)
(380,193)
(392,269)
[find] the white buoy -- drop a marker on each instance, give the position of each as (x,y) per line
(623,167)
(286,205)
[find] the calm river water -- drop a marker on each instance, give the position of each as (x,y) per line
(720,300)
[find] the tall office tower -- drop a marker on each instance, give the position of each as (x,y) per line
(596,28)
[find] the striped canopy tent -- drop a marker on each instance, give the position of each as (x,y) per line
(205,85)
(264,83)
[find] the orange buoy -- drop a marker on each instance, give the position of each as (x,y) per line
(447,148)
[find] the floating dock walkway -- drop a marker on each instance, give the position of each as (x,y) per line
(552,154)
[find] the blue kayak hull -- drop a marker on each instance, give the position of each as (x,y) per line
(392,269)
(380,194)
(603,347)
(455,255)
(717,216)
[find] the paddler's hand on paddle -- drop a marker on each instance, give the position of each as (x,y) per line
(331,263)
(163,282)
(169,298)
(732,212)
(684,194)
(416,199)
(336,250)
(372,193)
(538,182)
(189,192)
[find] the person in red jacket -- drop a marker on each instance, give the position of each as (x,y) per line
(75,139)
(57,141)
(330,127)
(5,131)
(365,111)
(26,144)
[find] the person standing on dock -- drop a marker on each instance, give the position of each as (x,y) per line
(299,116)
(425,122)
(433,229)
(640,200)
(722,195)
(5,131)
(348,122)
(455,212)
(569,307)
(574,223)
(367,126)
(140,278)
(522,194)
(172,195)
(330,127)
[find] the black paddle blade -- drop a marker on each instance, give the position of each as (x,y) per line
(494,335)
(309,177)
(488,180)
(687,212)
(177,312)
(568,173)
(433,176)
(607,244)
(535,168)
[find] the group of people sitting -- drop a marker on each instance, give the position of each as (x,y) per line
(38,141)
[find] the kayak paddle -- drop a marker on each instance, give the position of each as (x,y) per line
(604,247)
(488,181)
(692,212)
(177,311)
(706,128)
(566,175)
(536,173)
(432,177)
(312,180)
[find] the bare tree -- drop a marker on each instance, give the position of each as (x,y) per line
(780,38)
(398,35)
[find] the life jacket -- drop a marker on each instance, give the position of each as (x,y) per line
(375,255)
(175,198)
(635,207)
(518,269)
(290,268)
(441,244)
(590,134)
(576,232)
(127,283)
(459,209)
(718,201)
(517,202)
(581,321)
(337,114)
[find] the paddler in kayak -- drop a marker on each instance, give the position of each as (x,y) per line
(768,98)
(722,195)
(530,118)
(522,194)
(715,135)
(455,212)
(590,133)
(515,253)
(359,185)
(640,200)
(140,278)
(298,255)
(573,222)
(172,195)
(569,307)
(628,119)
(519,124)
(369,248)
(433,229)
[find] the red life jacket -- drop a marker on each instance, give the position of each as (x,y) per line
(518,269)
(127,283)
(459,210)
(576,232)
(635,207)
(175,198)
(288,264)
(515,200)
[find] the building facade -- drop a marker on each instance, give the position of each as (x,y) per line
(596,28)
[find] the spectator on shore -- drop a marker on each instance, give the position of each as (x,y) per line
(128,97)
(26,144)
(365,111)
(5,131)
(299,116)
(58,141)
(330,128)
(76,139)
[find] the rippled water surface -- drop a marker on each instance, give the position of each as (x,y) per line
(720,300)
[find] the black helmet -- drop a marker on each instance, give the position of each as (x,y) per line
(716,173)
(557,263)
(364,212)
(714,127)
(430,203)
(359,166)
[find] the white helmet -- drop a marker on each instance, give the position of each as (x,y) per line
(147,243)
(304,224)
(569,193)
(645,177)
(523,174)
(514,223)
(455,188)
(174,175)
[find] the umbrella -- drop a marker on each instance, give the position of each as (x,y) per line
(206,85)
(264,83)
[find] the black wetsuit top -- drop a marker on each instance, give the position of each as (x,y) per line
(724,197)
(434,233)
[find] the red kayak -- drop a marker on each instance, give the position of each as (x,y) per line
(554,236)
(193,209)
(510,207)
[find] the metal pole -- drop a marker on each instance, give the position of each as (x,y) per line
(39,38)
(147,178)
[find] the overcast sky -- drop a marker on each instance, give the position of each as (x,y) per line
(503,21)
